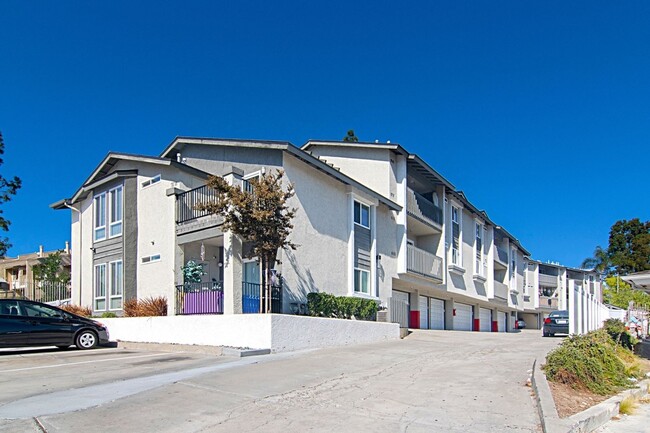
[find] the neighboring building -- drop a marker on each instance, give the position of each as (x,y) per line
(549,284)
(18,271)
(372,221)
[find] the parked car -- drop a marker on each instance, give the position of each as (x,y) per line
(521,324)
(28,323)
(556,323)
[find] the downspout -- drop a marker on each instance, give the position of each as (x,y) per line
(81,239)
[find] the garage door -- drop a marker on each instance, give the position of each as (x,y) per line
(502,321)
(463,317)
(436,314)
(485,320)
(423,306)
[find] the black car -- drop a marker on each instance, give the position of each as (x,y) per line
(556,323)
(29,323)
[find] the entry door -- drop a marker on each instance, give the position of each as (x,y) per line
(485,320)
(424,312)
(463,317)
(436,314)
(399,308)
(251,287)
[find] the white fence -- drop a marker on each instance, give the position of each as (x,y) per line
(586,313)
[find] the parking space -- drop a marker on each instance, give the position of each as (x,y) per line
(30,372)
(430,381)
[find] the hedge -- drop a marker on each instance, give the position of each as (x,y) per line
(341,307)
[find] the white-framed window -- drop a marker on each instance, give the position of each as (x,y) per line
(100,287)
(362,214)
(99,205)
(152,258)
(456,255)
(513,263)
(478,250)
(109,286)
(116,206)
(362,281)
(151,181)
(363,248)
(116,274)
(246,181)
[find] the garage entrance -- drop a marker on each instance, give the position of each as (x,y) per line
(463,317)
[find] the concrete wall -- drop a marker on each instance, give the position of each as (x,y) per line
(219,159)
(280,333)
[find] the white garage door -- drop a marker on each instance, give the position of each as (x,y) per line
(502,320)
(436,314)
(424,312)
(463,317)
(485,318)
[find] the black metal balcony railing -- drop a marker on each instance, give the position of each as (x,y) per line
(422,208)
(199,298)
(187,201)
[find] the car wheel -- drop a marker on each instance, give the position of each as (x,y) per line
(86,340)
(544,334)
(552,335)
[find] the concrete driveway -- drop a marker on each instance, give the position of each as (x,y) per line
(433,381)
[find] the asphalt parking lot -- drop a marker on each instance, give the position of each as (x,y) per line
(430,381)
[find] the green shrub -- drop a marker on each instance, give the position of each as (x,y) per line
(587,361)
(108,315)
(616,329)
(341,307)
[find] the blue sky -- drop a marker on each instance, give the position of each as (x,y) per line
(538,112)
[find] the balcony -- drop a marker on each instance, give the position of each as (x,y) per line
(548,302)
(188,217)
(423,209)
(423,263)
(500,291)
(547,280)
(501,257)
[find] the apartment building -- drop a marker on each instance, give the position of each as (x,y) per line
(372,221)
(457,268)
(135,225)
(550,285)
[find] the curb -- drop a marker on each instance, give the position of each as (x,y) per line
(241,353)
(190,348)
(583,422)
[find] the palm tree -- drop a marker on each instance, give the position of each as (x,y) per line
(600,262)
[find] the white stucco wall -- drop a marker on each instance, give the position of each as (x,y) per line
(368,166)
(280,333)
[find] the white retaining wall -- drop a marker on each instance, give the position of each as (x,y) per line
(278,332)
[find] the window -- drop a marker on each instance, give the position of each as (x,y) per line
(478,246)
(116,211)
(455,235)
(361,214)
(100,216)
(362,281)
(363,247)
(149,259)
(100,287)
(117,285)
(249,181)
(151,181)
(513,263)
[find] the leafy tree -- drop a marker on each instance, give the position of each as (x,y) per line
(629,246)
(192,272)
(619,293)
(350,136)
(600,262)
(8,188)
(50,270)
(259,215)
